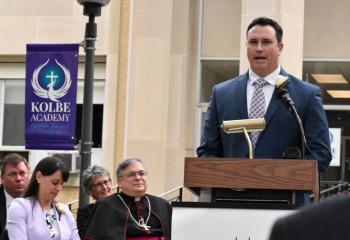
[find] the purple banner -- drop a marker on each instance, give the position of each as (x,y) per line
(51,93)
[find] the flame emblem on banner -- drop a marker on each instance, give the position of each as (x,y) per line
(50,92)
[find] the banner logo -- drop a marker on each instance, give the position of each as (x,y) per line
(50,82)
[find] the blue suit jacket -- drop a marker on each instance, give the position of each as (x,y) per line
(229,102)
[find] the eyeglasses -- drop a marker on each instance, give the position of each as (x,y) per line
(102,183)
(15,174)
(134,174)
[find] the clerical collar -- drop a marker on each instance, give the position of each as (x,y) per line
(129,198)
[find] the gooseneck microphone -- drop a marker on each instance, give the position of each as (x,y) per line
(283,94)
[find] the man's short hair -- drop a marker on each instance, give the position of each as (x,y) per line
(12,159)
(264,21)
(126,163)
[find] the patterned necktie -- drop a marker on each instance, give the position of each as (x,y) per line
(257,106)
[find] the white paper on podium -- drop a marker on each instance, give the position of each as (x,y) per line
(224,223)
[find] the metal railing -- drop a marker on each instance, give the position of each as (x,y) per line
(173,195)
(176,194)
(334,189)
(175,198)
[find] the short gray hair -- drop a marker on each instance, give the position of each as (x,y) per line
(126,163)
(91,172)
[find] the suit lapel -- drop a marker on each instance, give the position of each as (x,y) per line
(240,93)
(39,218)
(61,224)
(2,209)
(274,105)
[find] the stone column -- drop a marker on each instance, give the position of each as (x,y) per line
(115,87)
(160,89)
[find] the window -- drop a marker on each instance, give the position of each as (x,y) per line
(333,76)
(219,47)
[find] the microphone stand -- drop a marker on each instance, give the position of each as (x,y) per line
(284,96)
(300,125)
(92,8)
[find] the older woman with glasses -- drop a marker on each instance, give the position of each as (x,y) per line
(97,183)
(131,214)
(38,215)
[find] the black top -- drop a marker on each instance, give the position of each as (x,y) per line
(3,214)
(82,218)
(3,209)
(110,219)
(140,209)
(326,220)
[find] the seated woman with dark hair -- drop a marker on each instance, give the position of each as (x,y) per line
(131,214)
(37,215)
(97,183)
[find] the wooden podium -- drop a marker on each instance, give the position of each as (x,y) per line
(251,179)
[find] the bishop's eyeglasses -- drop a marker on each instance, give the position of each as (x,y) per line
(130,175)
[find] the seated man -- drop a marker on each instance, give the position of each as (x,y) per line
(14,181)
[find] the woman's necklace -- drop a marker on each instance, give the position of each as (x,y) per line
(141,223)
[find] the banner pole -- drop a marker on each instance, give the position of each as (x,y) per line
(92,8)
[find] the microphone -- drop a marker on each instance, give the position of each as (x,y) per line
(283,94)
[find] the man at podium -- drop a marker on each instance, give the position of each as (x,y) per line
(254,95)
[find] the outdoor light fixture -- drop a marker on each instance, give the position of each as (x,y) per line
(92,8)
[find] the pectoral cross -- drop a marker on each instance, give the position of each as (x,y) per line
(143,224)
